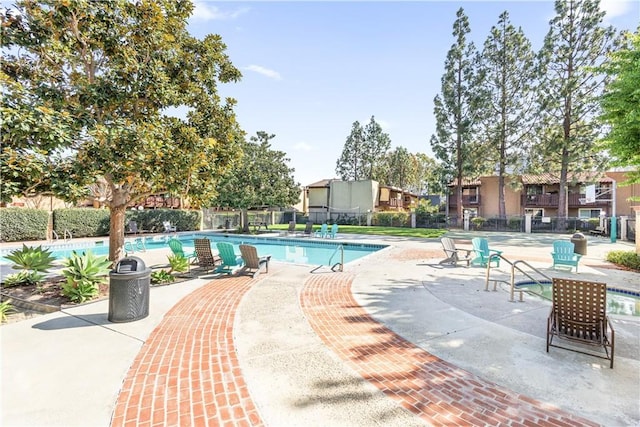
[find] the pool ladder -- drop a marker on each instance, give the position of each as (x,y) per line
(66,235)
(340,264)
(516,265)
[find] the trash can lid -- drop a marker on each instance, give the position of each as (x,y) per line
(578,236)
(129,265)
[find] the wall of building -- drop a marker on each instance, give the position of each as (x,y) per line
(349,195)
(623,205)
(318,197)
(489,198)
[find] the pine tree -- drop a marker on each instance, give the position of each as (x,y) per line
(376,143)
(349,165)
(363,152)
(508,67)
(575,44)
(456,108)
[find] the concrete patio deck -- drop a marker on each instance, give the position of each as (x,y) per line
(395,340)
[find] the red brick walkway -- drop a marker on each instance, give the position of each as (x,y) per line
(187,373)
(436,391)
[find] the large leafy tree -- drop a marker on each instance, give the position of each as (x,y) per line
(621,106)
(363,152)
(456,108)
(260,178)
(509,71)
(570,89)
(85,86)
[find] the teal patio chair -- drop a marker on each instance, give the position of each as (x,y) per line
(230,260)
(484,255)
(563,254)
(324,229)
(333,231)
(178,249)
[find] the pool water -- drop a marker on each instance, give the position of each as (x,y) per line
(619,301)
(296,250)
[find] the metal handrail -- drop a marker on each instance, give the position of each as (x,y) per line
(512,282)
(341,263)
(515,267)
(55,235)
(67,232)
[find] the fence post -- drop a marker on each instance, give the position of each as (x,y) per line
(527,223)
(413,220)
(623,227)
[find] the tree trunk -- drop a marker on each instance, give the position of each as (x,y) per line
(245,220)
(117,212)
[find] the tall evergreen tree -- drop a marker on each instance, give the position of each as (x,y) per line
(456,108)
(508,66)
(363,151)
(569,92)
(349,165)
(376,143)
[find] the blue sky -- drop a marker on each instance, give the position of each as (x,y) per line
(310,69)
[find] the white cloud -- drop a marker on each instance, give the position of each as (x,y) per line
(302,146)
(206,12)
(264,71)
(615,8)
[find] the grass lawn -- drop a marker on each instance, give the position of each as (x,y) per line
(427,233)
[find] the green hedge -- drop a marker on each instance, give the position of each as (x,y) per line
(628,259)
(391,219)
(152,219)
(81,222)
(19,224)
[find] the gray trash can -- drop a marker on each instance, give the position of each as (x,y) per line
(579,243)
(129,284)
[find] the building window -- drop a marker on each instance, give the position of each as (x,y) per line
(471,193)
(532,190)
(534,212)
(589,213)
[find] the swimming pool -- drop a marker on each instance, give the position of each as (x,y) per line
(293,250)
(619,301)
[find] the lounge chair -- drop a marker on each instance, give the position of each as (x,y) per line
(333,232)
(579,316)
(563,254)
(484,255)
(292,227)
(308,230)
(207,260)
(132,228)
(253,262)
(230,260)
(168,228)
(178,249)
(453,255)
(324,229)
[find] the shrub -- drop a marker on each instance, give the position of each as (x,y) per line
(391,219)
(31,258)
(478,222)
(18,224)
(5,308)
(84,273)
(178,263)
(162,276)
(81,222)
(152,219)
(628,259)
(33,261)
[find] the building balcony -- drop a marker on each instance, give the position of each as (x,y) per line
(551,201)
(466,200)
